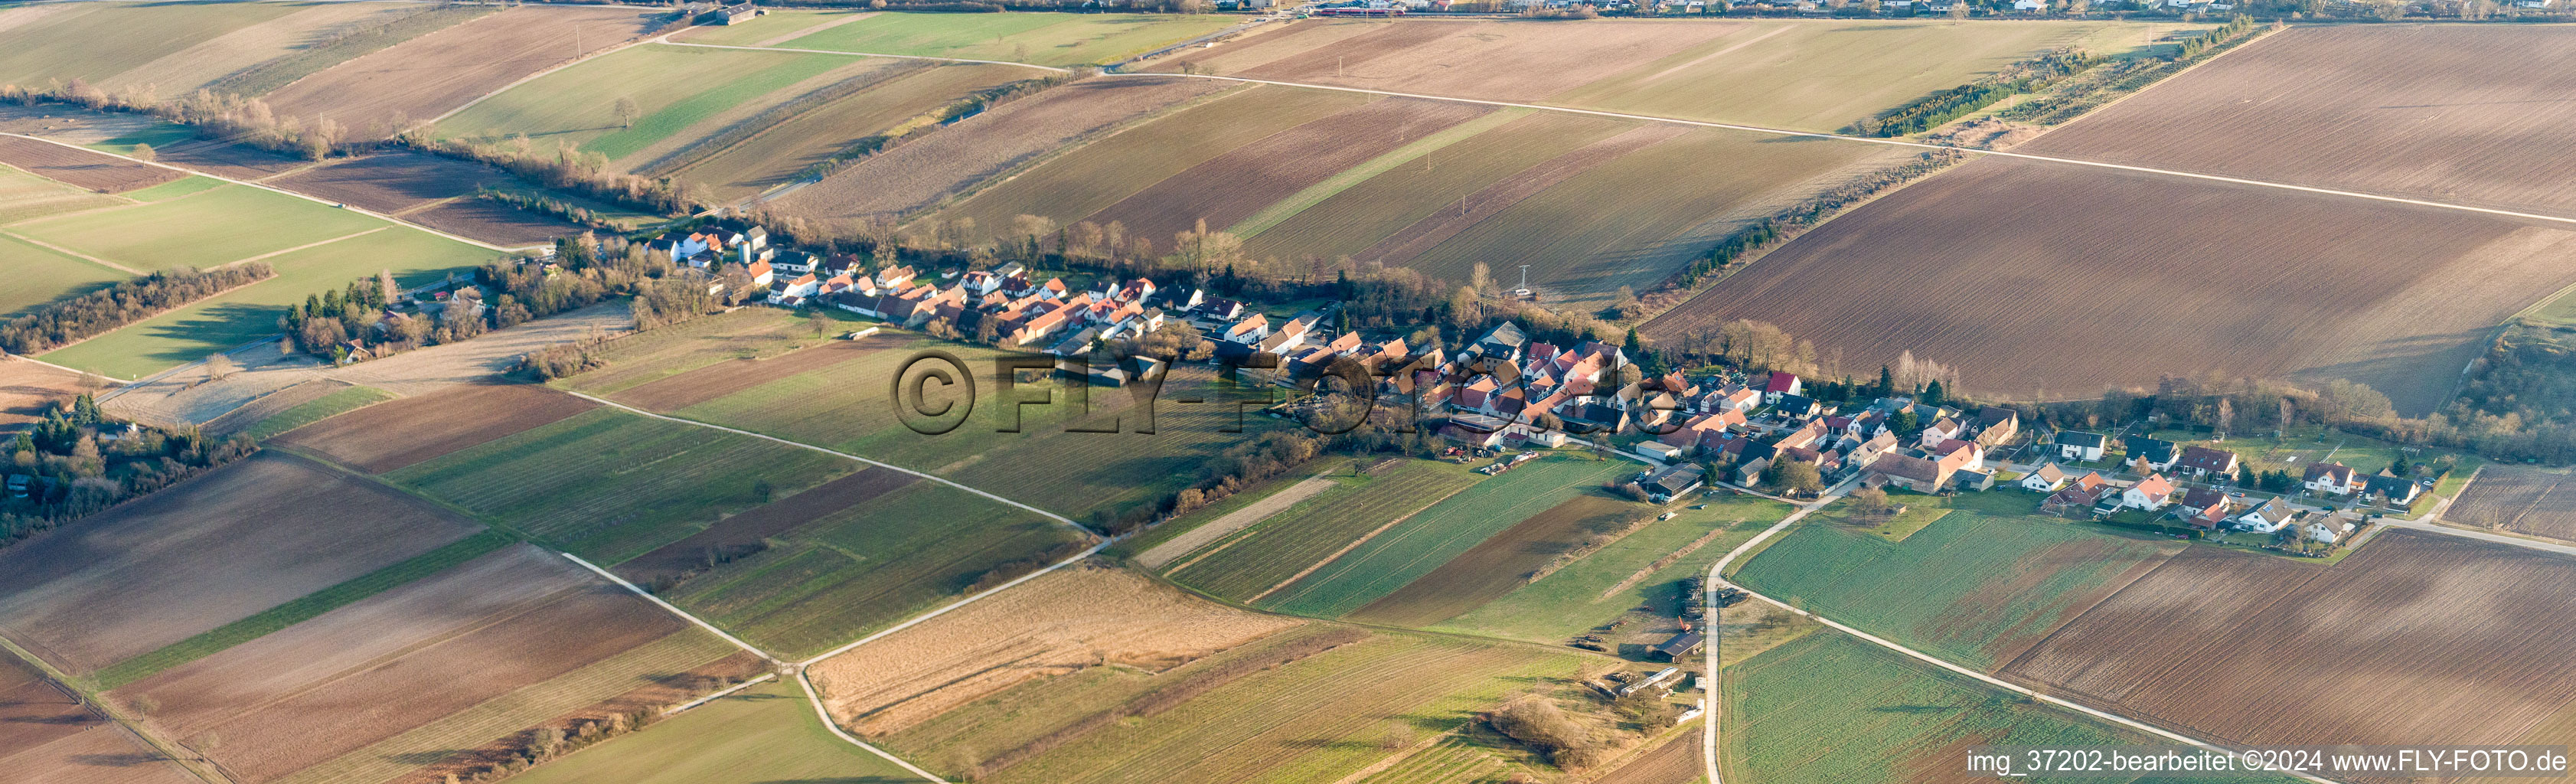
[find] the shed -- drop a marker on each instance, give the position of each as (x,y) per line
(1683,644)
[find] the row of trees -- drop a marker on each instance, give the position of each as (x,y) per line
(2031,75)
(79,462)
(129,301)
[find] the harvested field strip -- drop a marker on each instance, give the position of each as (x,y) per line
(873,564)
(1430,230)
(33,391)
(1236,520)
(1675,762)
(1313,529)
(672,393)
(577,105)
(763,115)
(615,485)
(67,45)
(923,172)
(304,60)
(411,430)
(500,224)
(1229,188)
(1039,38)
(1702,178)
(2523,500)
(1416,546)
(1291,206)
(767,734)
(1369,211)
(94,171)
(302,609)
(1468,755)
(2431,283)
(525,707)
(2463,114)
(191,558)
(642,357)
(1317,719)
(332,403)
(428,76)
(1502,562)
(1975,588)
(25,196)
(392,182)
(2418,636)
(1640,570)
(722,540)
(782,151)
(1097,175)
(1459,58)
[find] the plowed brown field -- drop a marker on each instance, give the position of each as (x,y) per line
(728,536)
(96,171)
(397,433)
(2470,114)
(427,76)
(2055,280)
(2524,500)
(398,660)
(209,551)
(494,222)
(1233,186)
(1496,566)
(2419,639)
(683,390)
(28,390)
(46,735)
(392,182)
(1495,60)
(1083,616)
(923,172)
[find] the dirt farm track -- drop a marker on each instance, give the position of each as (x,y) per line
(2043,280)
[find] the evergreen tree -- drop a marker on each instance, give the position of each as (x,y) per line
(1933,394)
(1886,383)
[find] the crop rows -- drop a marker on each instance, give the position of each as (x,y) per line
(1419,545)
(1313,529)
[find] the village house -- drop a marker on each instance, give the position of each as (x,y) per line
(2150,455)
(2080,495)
(2044,480)
(2328,528)
(2079,446)
(2151,493)
(2204,463)
(1997,425)
(1940,430)
(2391,489)
(2332,479)
(2203,508)
(1781,383)
(2268,517)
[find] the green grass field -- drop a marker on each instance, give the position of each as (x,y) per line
(25,196)
(67,44)
(1829,707)
(1317,719)
(610,485)
(220,226)
(38,276)
(184,186)
(302,609)
(1087,180)
(766,734)
(1357,217)
(1025,37)
(248,313)
(1421,544)
(863,568)
(1589,592)
(1246,564)
(677,90)
(1988,578)
(339,401)
(1664,191)
(1823,76)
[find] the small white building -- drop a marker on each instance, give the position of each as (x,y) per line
(2045,480)
(2267,517)
(2329,529)
(2076,445)
(2151,493)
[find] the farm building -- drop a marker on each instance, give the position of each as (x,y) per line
(730,15)
(1683,644)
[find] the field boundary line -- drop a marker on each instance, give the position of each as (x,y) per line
(764,678)
(101,708)
(826,716)
(784,38)
(663,41)
(1708,739)
(1355,544)
(802,445)
(961,602)
(68,370)
(2260,35)
(306,246)
(1891,143)
(577,60)
(76,254)
(648,596)
(307,197)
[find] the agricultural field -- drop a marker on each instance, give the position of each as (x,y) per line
(28,391)
(428,76)
(694,93)
(1473,177)
(805,136)
(2464,114)
(640,358)
(216,227)
(1452,528)
(1086,180)
(1253,564)
(2420,636)
(393,435)
(370,670)
(1452,58)
(254,60)
(2414,295)
(185,560)
(872,549)
(1170,540)
(578,482)
(250,313)
(766,733)
(1642,569)
(85,169)
(1977,586)
(51,736)
(1024,37)
(1133,681)
(682,390)
(1829,707)
(924,172)
(38,276)
(398,183)
(2522,500)
(40,44)
(26,196)
(1504,561)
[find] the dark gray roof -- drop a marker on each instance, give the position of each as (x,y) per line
(2079,438)
(2153,449)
